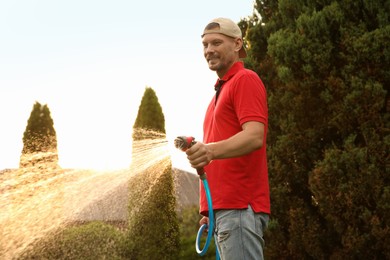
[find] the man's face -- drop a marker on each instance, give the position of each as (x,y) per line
(220,51)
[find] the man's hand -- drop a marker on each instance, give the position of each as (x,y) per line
(204,220)
(242,143)
(199,155)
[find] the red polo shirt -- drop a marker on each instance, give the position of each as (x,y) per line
(237,182)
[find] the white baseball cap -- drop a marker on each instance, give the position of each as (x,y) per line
(226,27)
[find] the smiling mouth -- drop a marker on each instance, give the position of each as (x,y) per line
(212,59)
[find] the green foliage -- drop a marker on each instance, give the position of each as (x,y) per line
(325,65)
(150,115)
(189,225)
(95,240)
(153,224)
(347,186)
(39,138)
(39,135)
(189,220)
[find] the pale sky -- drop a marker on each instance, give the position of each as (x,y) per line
(90,62)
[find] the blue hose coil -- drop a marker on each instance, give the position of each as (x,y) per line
(210,232)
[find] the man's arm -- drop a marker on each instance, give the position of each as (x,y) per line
(249,139)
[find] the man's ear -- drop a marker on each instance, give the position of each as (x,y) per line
(238,44)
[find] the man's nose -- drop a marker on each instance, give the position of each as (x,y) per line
(209,49)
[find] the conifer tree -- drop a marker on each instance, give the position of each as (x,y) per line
(150,117)
(153,222)
(325,65)
(39,139)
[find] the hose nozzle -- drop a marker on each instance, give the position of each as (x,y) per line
(184,142)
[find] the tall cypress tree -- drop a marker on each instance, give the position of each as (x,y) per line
(150,117)
(153,222)
(39,139)
(325,65)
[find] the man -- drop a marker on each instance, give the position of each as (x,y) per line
(233,151)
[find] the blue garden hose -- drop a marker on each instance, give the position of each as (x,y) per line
(183,143)
(205,226)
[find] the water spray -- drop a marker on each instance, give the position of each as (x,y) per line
(183,143)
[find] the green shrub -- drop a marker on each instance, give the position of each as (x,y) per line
(189,226)
(153,224)
(95,240)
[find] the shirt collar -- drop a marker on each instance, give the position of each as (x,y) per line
(239,65)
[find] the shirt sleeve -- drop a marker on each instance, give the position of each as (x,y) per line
(250,99)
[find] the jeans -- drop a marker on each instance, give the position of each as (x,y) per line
(239,234)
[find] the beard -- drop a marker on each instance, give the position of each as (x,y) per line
(215,63)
